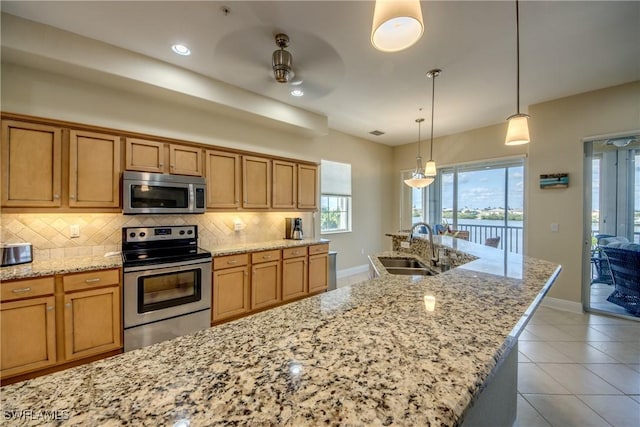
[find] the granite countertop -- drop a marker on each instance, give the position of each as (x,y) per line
(60,266)
(368,354)
(98,262)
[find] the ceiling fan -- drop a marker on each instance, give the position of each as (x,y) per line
(282,60)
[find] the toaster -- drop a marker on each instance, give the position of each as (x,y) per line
(16,253)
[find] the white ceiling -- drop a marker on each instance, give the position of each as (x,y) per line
(567,47)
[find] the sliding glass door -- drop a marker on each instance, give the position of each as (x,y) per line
(611,265)
(485,201)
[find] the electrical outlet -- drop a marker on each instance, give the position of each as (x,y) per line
(405,245)
(74,230)
(237,226)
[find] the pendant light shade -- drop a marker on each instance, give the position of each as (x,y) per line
(418,178)
(430,168)
(397,24)
(518,130)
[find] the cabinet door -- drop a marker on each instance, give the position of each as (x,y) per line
(265,284)
(231,288)
(92,322)
(284,185)
(94,170)
(223,179)
(256,179)
(144,156)
(294,278)
(28,335)
(31,164)
(185,160)
(307,187)
(318,272)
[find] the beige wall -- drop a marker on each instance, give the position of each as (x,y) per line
(557,130)
(40,93)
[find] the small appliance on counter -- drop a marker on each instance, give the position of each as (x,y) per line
(16,253)
(293,228)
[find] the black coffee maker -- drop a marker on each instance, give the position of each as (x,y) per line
(293,228)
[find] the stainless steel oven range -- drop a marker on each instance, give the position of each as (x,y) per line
(167,284)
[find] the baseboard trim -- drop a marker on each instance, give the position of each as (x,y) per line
(346,272)
(562,304)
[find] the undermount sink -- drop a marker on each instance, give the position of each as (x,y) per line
(405,266)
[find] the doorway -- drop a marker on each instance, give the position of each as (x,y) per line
(611,271)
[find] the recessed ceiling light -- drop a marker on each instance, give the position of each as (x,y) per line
(181,49)
(297,92)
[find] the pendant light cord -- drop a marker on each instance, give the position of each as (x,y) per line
(433,97)
(517,58)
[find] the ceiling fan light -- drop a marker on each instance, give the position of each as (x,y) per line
(396,25)
(281,61)
(430,168)
(518,131)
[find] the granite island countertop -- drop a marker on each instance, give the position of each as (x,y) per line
(368,354)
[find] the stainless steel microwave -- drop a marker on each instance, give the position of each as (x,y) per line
(156,193)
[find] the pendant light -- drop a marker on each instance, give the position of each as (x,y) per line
(418,178)
(397,24)
(430,168)
(518,130)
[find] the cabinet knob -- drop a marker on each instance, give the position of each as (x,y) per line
(94,280)
(172,166)
(50,308)
(161,164)
(72,196)
(20,290)
(68,305)
(232,261)
(267,257)
(56,196)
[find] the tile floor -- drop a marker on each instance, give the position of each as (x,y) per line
(578,370)
(574,370)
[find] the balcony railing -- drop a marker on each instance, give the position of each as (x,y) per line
(511,237)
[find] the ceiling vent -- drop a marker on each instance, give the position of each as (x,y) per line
(376,132)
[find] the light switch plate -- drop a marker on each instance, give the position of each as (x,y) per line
(405,245)
(555,228)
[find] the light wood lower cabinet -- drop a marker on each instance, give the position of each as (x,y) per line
(230,292)
(294,273)
(56,320)
(265,279)
(91,322)
(28,334)
(318,268)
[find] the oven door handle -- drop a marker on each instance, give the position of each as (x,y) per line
(159,266)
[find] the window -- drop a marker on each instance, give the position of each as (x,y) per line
(335,199)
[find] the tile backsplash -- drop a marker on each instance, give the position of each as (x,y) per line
(100,233)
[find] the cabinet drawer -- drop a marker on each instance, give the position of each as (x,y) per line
(27,288)
(294,252)
(319,249)
(230,261)
(265,256)
(89,280)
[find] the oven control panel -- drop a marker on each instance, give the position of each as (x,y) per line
(154,234)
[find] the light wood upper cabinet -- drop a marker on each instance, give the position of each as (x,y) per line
(307,187)
(94,170)
(256,182)
(223,179)
(92,319)
(31,164)
(185,160)
(28,325)
(284,185)
(144,156)
(152,156)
